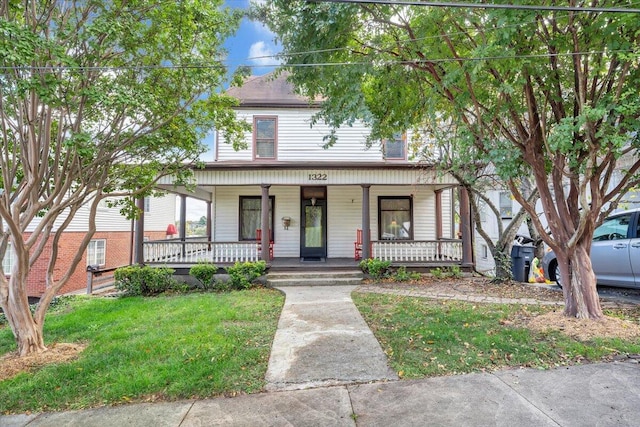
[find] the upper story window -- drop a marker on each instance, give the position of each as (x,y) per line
(265,137)
(396,148)
(96,252)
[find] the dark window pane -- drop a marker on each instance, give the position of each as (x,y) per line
(251,216)
(395,218)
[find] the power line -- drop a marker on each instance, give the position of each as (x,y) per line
(317,64)
(485,6)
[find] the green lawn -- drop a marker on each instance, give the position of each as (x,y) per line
(424,337)
(203,345)
(168,347)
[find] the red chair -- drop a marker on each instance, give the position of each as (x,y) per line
(358,245)
(259,240)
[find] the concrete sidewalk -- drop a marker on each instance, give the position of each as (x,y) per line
(327,369)
(599,394)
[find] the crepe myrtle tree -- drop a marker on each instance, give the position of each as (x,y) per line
(440,147)
(547,94)
(99,99)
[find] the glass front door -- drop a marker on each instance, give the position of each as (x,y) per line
(313,236)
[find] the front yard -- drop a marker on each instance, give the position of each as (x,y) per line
(201,345)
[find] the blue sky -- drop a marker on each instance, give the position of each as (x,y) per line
(252,42)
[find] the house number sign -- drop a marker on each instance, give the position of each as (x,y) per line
(317,177)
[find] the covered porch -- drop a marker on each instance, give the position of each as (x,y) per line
(407,215)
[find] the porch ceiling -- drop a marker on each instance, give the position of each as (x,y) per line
(310,174)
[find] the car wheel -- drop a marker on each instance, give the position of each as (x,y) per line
(556,271)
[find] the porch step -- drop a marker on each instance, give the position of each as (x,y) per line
(314,278)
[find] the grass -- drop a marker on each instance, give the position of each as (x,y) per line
(423,337)
(168,347)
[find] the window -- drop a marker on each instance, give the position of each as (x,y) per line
(251,216)
(394,149)
(506,205)
(484,250)
(615,228)
(7,261)
(147,204)
(395,218)
(265,131)
(96,252)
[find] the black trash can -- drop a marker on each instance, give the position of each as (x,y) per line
(521,257)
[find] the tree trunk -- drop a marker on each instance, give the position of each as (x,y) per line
(29,335)
(502,260)
(580,293)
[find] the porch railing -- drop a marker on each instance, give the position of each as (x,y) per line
(192,252)
(417,250)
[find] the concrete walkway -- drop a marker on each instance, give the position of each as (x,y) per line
(323,340)
(327,369)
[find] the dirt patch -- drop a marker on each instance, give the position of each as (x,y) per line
(585,329)
(11,364)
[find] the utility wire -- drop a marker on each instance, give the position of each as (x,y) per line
(484,6)
(323,64)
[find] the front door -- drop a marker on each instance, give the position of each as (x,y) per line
(313,236)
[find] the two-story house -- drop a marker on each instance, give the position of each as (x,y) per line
(314,200)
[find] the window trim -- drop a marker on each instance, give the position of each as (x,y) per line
(273,205)
(380,199)
(403,138)
(104,252)
(255,138)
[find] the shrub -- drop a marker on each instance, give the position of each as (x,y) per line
(453,271)
(437,273)
(204,273)
(242,274)
(144,280)
(376,268)
(402,275)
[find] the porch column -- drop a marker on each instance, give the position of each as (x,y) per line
(465,228)
(366,222)
(209,222)
(438,214)
(138,257)
(183,217)
(264,223)
(183,222)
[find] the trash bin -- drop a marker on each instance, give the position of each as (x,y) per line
(521,257)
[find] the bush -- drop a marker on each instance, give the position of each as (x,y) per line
(440,273)
(242,274)
(204,273)
(402,275)
(144,280)
(376,268)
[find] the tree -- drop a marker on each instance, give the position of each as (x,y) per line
(479,180)
(550,94)
(99,98)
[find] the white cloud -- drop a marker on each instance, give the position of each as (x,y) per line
(261,53)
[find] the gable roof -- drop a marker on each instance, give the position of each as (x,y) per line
(269,90)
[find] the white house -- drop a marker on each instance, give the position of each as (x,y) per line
(317,199)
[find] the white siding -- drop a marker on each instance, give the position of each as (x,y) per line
(162,212)
(344,215)
(298,141)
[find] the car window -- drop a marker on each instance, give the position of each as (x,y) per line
(613,228)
